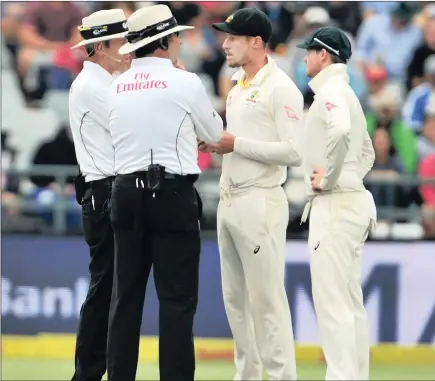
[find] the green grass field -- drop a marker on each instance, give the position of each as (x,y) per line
(31,369)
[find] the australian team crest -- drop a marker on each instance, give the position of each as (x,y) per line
(229,19)
(255,94)
(253,97)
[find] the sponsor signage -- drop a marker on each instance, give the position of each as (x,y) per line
(45,280)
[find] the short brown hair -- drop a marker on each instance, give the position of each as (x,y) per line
(337,60)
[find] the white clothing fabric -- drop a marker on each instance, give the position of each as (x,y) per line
(339,226)
(156,114)
(336,137)
(342,214)
(252,239)
(265,116)
(89,121)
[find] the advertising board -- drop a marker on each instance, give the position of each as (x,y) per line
(45,280)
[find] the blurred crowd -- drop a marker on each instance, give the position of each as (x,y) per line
(392,70)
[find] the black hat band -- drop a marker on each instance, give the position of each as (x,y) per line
(103,30)
(162,26)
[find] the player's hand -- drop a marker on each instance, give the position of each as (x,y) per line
(225,145)
(316,177)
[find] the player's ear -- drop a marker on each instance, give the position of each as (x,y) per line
(98,48)
(324,54)
(258,42)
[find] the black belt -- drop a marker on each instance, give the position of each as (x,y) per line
(107,181)
(170,176)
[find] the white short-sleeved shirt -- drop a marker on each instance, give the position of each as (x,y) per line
(89,121)
(156,113)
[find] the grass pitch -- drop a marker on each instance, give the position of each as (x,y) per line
(34,369)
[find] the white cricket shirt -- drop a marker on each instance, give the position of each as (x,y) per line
(156,114)
(89,121)
(336,137)
(265,116)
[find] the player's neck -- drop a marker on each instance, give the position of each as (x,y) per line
(324,66)
(253,67)
(159,53)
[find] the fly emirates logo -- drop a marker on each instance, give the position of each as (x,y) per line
(142,81)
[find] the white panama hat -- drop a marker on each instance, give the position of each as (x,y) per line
(102,26)
(150,24)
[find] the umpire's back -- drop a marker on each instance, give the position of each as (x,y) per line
(156,113)
(157,109)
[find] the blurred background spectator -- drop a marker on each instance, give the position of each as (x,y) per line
(418,97)
(427,171)
(46,28)
(389,38)
(426,142)
(385,115)
(392,71)
(388,166)
(416,70)
(10,182)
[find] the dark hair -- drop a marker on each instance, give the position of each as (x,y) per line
(90,48)
(146,50)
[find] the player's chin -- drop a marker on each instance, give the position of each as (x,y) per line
(232,63)
(310,72)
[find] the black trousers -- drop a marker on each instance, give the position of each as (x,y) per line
(159,231)
(91,345)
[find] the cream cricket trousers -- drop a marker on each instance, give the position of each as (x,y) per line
(339,226)
(252,238)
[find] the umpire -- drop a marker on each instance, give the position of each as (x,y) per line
(157,112)
(103,33)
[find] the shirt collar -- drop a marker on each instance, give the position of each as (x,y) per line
(96,69)
(334,70)
(258,78)
(151,61)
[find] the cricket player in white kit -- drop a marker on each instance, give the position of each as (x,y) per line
(338,154)
(264,113)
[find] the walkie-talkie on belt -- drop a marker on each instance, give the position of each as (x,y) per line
(155,176)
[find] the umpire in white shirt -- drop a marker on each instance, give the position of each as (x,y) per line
(157,112)
(103,33)
(338,154)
